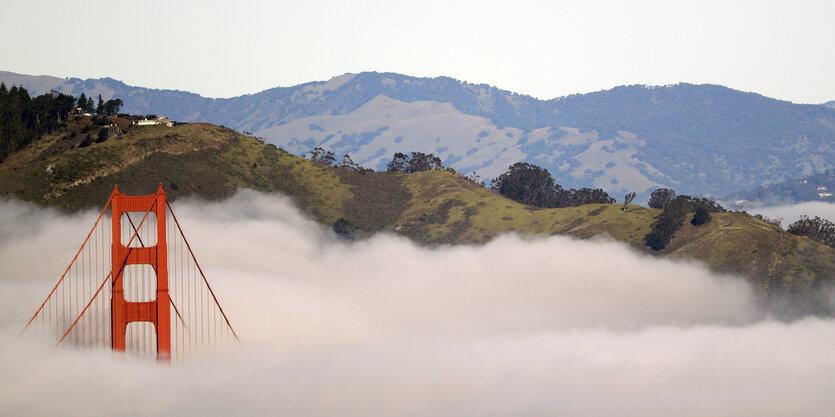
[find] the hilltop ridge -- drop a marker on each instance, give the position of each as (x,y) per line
(432,207)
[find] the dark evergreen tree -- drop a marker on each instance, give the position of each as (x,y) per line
(701,216)
(24,119)
(82,102)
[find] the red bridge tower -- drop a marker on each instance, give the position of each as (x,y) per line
(157,311)
(149,277)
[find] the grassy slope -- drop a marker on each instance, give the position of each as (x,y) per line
(766,254)
(193,159)
(446,208)
(431,207)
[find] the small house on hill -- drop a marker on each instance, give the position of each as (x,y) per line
(161,120)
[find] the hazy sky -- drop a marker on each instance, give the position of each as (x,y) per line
(782,49)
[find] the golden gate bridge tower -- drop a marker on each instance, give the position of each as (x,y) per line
(124,283)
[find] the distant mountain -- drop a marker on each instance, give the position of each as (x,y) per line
(830,104)
(697,139)
(138,100)
(818,187)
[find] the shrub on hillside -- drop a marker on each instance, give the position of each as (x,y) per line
(700,217)
(86,142)
(344,229)
(103,135)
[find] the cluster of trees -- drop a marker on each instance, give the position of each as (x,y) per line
(674,210)
(663,196)
(245,132)
(660,197)
(103,108)
(327,158)
(777,222)
(110,107)
(86,103)
(417,162)
(818,229)
(532,185)
(24,119)
(400,162)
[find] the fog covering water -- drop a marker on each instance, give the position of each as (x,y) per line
(792,212)
(548,326)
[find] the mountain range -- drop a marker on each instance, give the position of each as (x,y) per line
(698,139)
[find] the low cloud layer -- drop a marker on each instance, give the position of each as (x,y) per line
(384,327)
(791,213)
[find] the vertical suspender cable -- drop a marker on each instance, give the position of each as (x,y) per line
(201,272)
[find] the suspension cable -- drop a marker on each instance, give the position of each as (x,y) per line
(201,271)
(68,268)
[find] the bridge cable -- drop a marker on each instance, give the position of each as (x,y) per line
(201,271)
(68,268)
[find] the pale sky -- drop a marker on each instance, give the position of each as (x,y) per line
(547,49)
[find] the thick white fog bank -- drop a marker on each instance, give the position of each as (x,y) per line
(791,213)
(384,327)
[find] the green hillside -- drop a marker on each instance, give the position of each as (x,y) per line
(432,207)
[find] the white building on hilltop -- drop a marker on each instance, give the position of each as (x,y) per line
(161,120)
